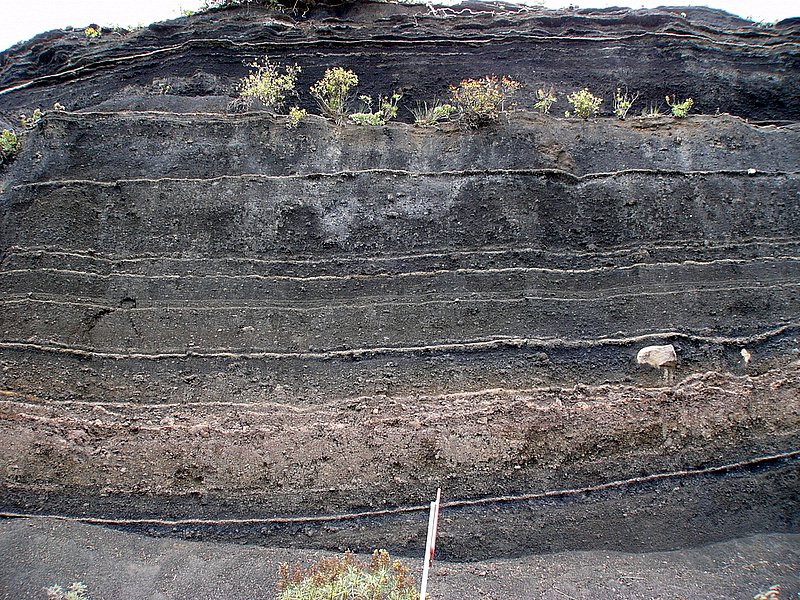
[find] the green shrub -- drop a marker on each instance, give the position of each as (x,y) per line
(93,32)
(584,103)
(482,101)
(268,85)
(623,102)
(680,109)
(545,99)
(333,93)
(77,591)
(387,110)
(429,115)
(296,114)
(9,146)
(32,121)
(346,578)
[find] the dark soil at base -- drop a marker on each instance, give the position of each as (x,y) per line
(119,566)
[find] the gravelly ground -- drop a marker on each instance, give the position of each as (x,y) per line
(121,566)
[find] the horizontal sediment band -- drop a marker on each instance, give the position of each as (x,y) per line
(259,144)
(469,346)
(371,213)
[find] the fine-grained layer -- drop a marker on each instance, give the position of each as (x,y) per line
(375,212)
(130,144)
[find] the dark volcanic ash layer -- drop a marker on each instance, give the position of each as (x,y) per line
(212,326)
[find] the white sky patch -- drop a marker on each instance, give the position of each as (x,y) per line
(22,19)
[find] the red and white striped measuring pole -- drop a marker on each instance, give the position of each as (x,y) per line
(430,544)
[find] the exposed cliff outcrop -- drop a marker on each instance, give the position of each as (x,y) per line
(215,326)
(726,63)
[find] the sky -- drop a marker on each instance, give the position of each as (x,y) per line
(22,19)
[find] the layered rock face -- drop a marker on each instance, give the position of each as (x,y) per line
(215,326)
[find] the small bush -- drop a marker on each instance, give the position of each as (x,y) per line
(334,92)
(773,593)
(387,110)
(545,99)
(76,591)
(346,578)
(680,109)
(584,103)
(9,146)
(268,85)
(652,110)
(429,115)
(32,121)
(482,101)
(296,114)
(623,102)
(92,32)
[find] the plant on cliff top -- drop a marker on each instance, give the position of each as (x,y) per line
(545,99)
(623,102)
(346,578)
(267,84)
(9,146)
(333,93)
(584,103)
(482,101)
(429,115)
(680,109)
(296,114)
(773,593)
(93,32)
(387,110)
(32,121)
(76,591)
(652,110)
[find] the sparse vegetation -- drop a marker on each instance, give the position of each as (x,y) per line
(76,591)
(280,5)
(387,110)
(92,32)
(296,114)
(426,115)
(333,93)
(652,110)
(482,101)
(623,102)
(545,99)
(584,103)
(32,121)
(773,593)
(268,85)
(680,109)
(164,87)
(9,146)
(346,578)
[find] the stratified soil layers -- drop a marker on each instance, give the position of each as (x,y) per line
(212,326)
